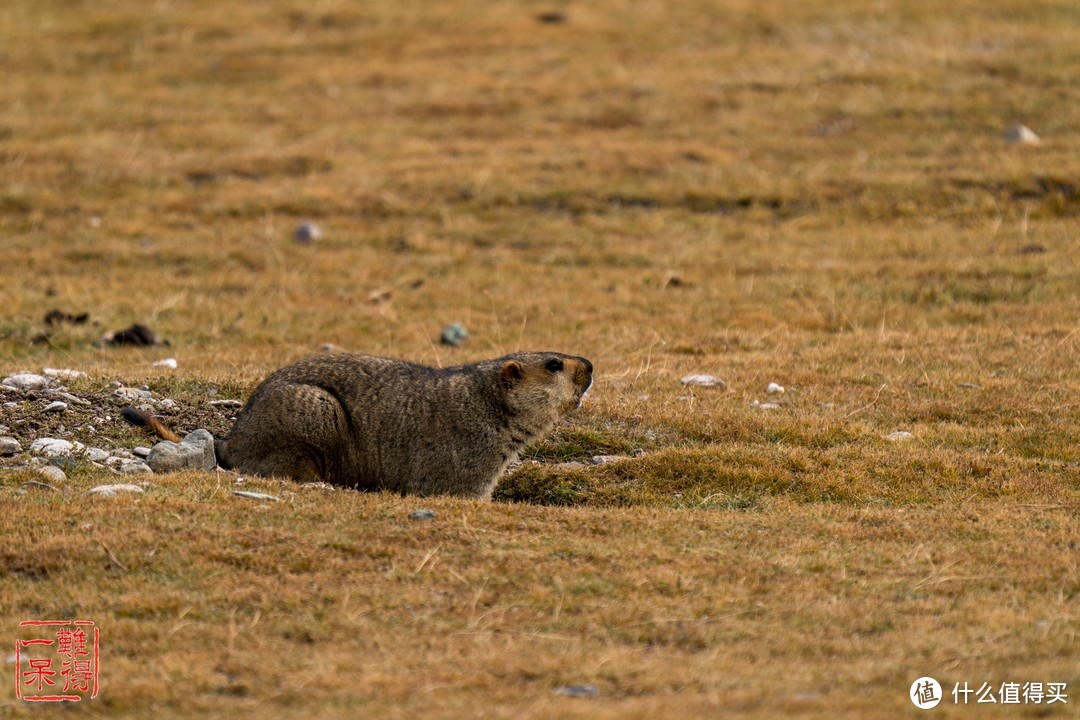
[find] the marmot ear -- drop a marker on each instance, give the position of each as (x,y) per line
(510,374)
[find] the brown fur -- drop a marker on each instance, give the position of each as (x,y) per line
(379,423)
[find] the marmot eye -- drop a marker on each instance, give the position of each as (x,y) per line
(554,365)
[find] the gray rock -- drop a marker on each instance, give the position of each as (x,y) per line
(134,467)
(55,406)
(140,451)
(307,232)
(194,452)
(131,395)
(703,381)
(422,514)
(605,459)
(51,473)
(454,334)
(36,485)
(96,454)
(63,373)
(9,446)
(26,381)
(578,691)
(1022,135)
(226,403)
(113,490)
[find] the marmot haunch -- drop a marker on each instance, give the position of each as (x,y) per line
(377,423)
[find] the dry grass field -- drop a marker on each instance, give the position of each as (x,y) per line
(810,193)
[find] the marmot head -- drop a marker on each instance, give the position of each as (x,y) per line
(546,385)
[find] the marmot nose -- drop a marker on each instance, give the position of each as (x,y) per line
(588,365)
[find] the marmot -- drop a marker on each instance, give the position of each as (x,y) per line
(377,423)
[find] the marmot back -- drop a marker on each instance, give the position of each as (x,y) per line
(377,423)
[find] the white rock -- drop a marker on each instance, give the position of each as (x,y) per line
(1022,135)
(51,473)
(166,363)
(255,495)
(9,446)
(131,395)
(703,381)
(55,406)
(774,389)
(899,436)
(141,451)
(113,490)
(765,405)
(54,447)
(226,403)
(26,381)
(63,373)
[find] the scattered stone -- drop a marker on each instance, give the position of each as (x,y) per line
(454,335)
(226,403)
(36,485)
(140,451)
(131,395)
(605,459)
(9,446)
(968,385)
(51,473)
(137,334)
(135,467)
(255,495)
(113,490)
(59,317)
(1022,135)
(166,404)
(422,514)
(578,691)
(307,232)
(26,381)
(552,17)
(169,363)
(194,452)
(703,381)
(54,447)
(62,373)
(55,406)
(64,463)
(765,405)
(69,398)
(774,389)
(94,454)
(899,436)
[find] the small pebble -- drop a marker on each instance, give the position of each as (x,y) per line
(578,691)
(55,406)
(307,232)
(899,436)
(774,389)
(9,446)
(454,335)
(605,459)
(703,381)
(226,403)
(169,363)
(131,395)
(255,495)
(141,451)
(113,490)
(1022,135)
(422,514)
(764,405)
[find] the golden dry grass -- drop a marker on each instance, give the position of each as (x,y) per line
(808,193)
